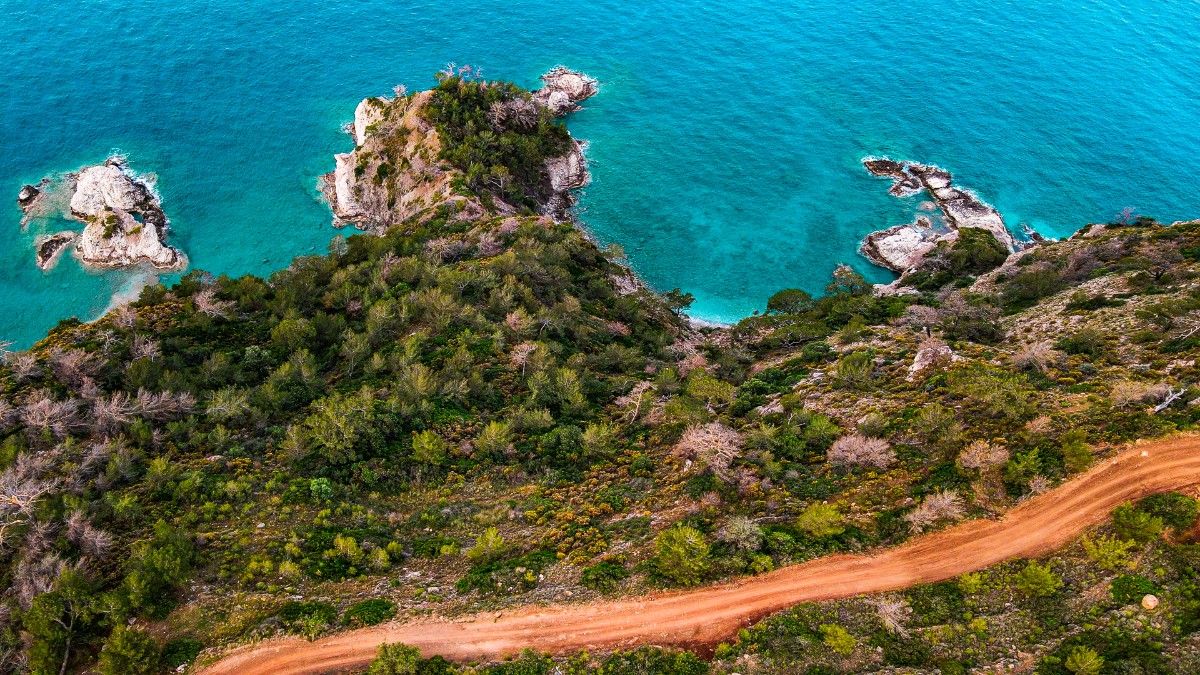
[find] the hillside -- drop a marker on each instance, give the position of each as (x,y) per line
(473,408)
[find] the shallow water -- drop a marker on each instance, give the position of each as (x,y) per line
(725,143)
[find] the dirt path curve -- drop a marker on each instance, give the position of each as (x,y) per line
(708,615)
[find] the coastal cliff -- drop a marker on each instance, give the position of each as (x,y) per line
(402,167)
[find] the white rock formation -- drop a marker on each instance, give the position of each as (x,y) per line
(902,247)
(125,224)
(564,89)
(569,171)
(368,113)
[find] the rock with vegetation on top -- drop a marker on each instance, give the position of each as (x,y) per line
(906,248)
(125,225)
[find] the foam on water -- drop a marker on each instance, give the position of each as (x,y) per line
(725,142)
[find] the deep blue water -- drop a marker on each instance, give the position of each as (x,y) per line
(725,143)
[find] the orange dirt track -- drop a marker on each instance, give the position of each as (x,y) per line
(705,616)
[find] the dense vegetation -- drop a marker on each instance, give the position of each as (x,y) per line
(467,413)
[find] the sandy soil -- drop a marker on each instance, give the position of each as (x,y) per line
(706,616)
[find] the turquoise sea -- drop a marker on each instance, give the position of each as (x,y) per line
(725,142)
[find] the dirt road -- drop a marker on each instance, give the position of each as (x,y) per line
(708,615)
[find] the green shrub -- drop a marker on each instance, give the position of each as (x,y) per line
(1132,523)
(369,612)
(1130,588)
(605,576)
(128,651)
(1176,510)
(1038,581)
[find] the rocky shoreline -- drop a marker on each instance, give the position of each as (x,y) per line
(382,182)
(902,248)
(124,224)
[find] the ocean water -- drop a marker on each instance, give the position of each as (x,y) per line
(725,142)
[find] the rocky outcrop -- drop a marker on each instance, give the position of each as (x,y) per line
(50,248)
(125,223)
(903,247)
(394,172)
(564,89)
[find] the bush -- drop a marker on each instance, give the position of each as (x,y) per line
(180,652)
(308,618)
(604,576)
(369,612)
(821,520)
(838,639)
(1176,510)
(128,651)
(1130,588)
(395,659)
(681,555)
(1132,523)
(1086,342)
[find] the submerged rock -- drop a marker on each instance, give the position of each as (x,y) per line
(564,90)
(50,248)
(903,247)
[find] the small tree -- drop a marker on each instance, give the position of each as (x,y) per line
(488,547)
(1038,581)
(741,533)
(789,301)
(681,555)
(1109,553)
(1084,661)
(1135,524)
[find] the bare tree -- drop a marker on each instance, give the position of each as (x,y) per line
(21,486)
(920,318)
(111,413)
(72,366)
(145,348)
(23,364)
(164,405)
(893,612)
(41,412)
(208,304)
(712,445)
(982,455)
(520,354)
(1037,356)
(92,541)
(859,450)
(937,507)
(632,402)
